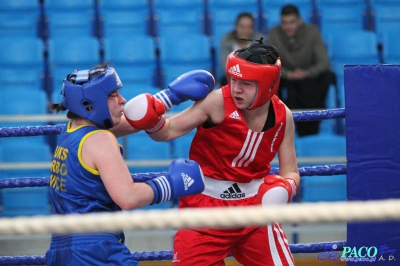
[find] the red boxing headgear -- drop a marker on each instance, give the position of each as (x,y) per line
(265,74)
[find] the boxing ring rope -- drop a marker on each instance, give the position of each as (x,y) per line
(326,170)
(373,210)
(56,129)
(168,254)
(185,218)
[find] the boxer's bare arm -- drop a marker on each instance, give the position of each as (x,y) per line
(209,109)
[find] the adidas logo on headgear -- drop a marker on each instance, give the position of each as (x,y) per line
(233,192)
(235,70)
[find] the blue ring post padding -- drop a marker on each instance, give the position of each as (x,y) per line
(373,150)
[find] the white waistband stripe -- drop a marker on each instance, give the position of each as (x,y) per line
(230,190)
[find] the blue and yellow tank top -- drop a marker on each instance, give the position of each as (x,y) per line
(75,187)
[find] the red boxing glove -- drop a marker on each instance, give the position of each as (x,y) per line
(145,112)
(276,190)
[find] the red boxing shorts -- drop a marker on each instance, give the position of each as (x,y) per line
(251,245)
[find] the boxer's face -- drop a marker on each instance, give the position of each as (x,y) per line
(243,92)
(116,106)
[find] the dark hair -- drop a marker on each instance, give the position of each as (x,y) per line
(244,15)
(57,107)
(290,10)
(259,53)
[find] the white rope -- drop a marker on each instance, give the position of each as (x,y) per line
(207,217)
(166,162)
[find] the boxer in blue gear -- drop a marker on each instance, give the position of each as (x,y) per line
(89,174)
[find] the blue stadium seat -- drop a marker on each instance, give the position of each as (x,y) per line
(351,47)
(123,17)
(70,24)
(179,23)
(126,23)
(22,61)
(323,148)
(181,145)
(342,11)
(25,149)
(24,201)
(146,152)
(70,18)
(171,5)
(19,6)
(321,4)
(11,78)
(178,57)
(19,24)
(384,3)
(123,4)
(235,6)
(390,46)
(21,51)
(24,101)
(19,18)
(386,18)
(178,17)
(142,147)
(67,54)
(134,57)
(323,188)
(337,19)
(68,5)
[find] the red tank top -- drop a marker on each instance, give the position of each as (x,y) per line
(231,151)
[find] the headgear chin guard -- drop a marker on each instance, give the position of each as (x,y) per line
(259,63)
(87,96)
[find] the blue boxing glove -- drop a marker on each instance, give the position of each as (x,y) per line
(184,177)
(193,85)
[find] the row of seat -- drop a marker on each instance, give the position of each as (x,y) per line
(144,65)
(204,16)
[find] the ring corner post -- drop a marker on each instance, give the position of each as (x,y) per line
(373,152)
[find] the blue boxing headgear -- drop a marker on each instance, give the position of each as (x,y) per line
(87,96)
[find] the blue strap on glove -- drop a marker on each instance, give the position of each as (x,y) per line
(193,85)
(183,178)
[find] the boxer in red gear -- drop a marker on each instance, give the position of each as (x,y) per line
(240,129)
